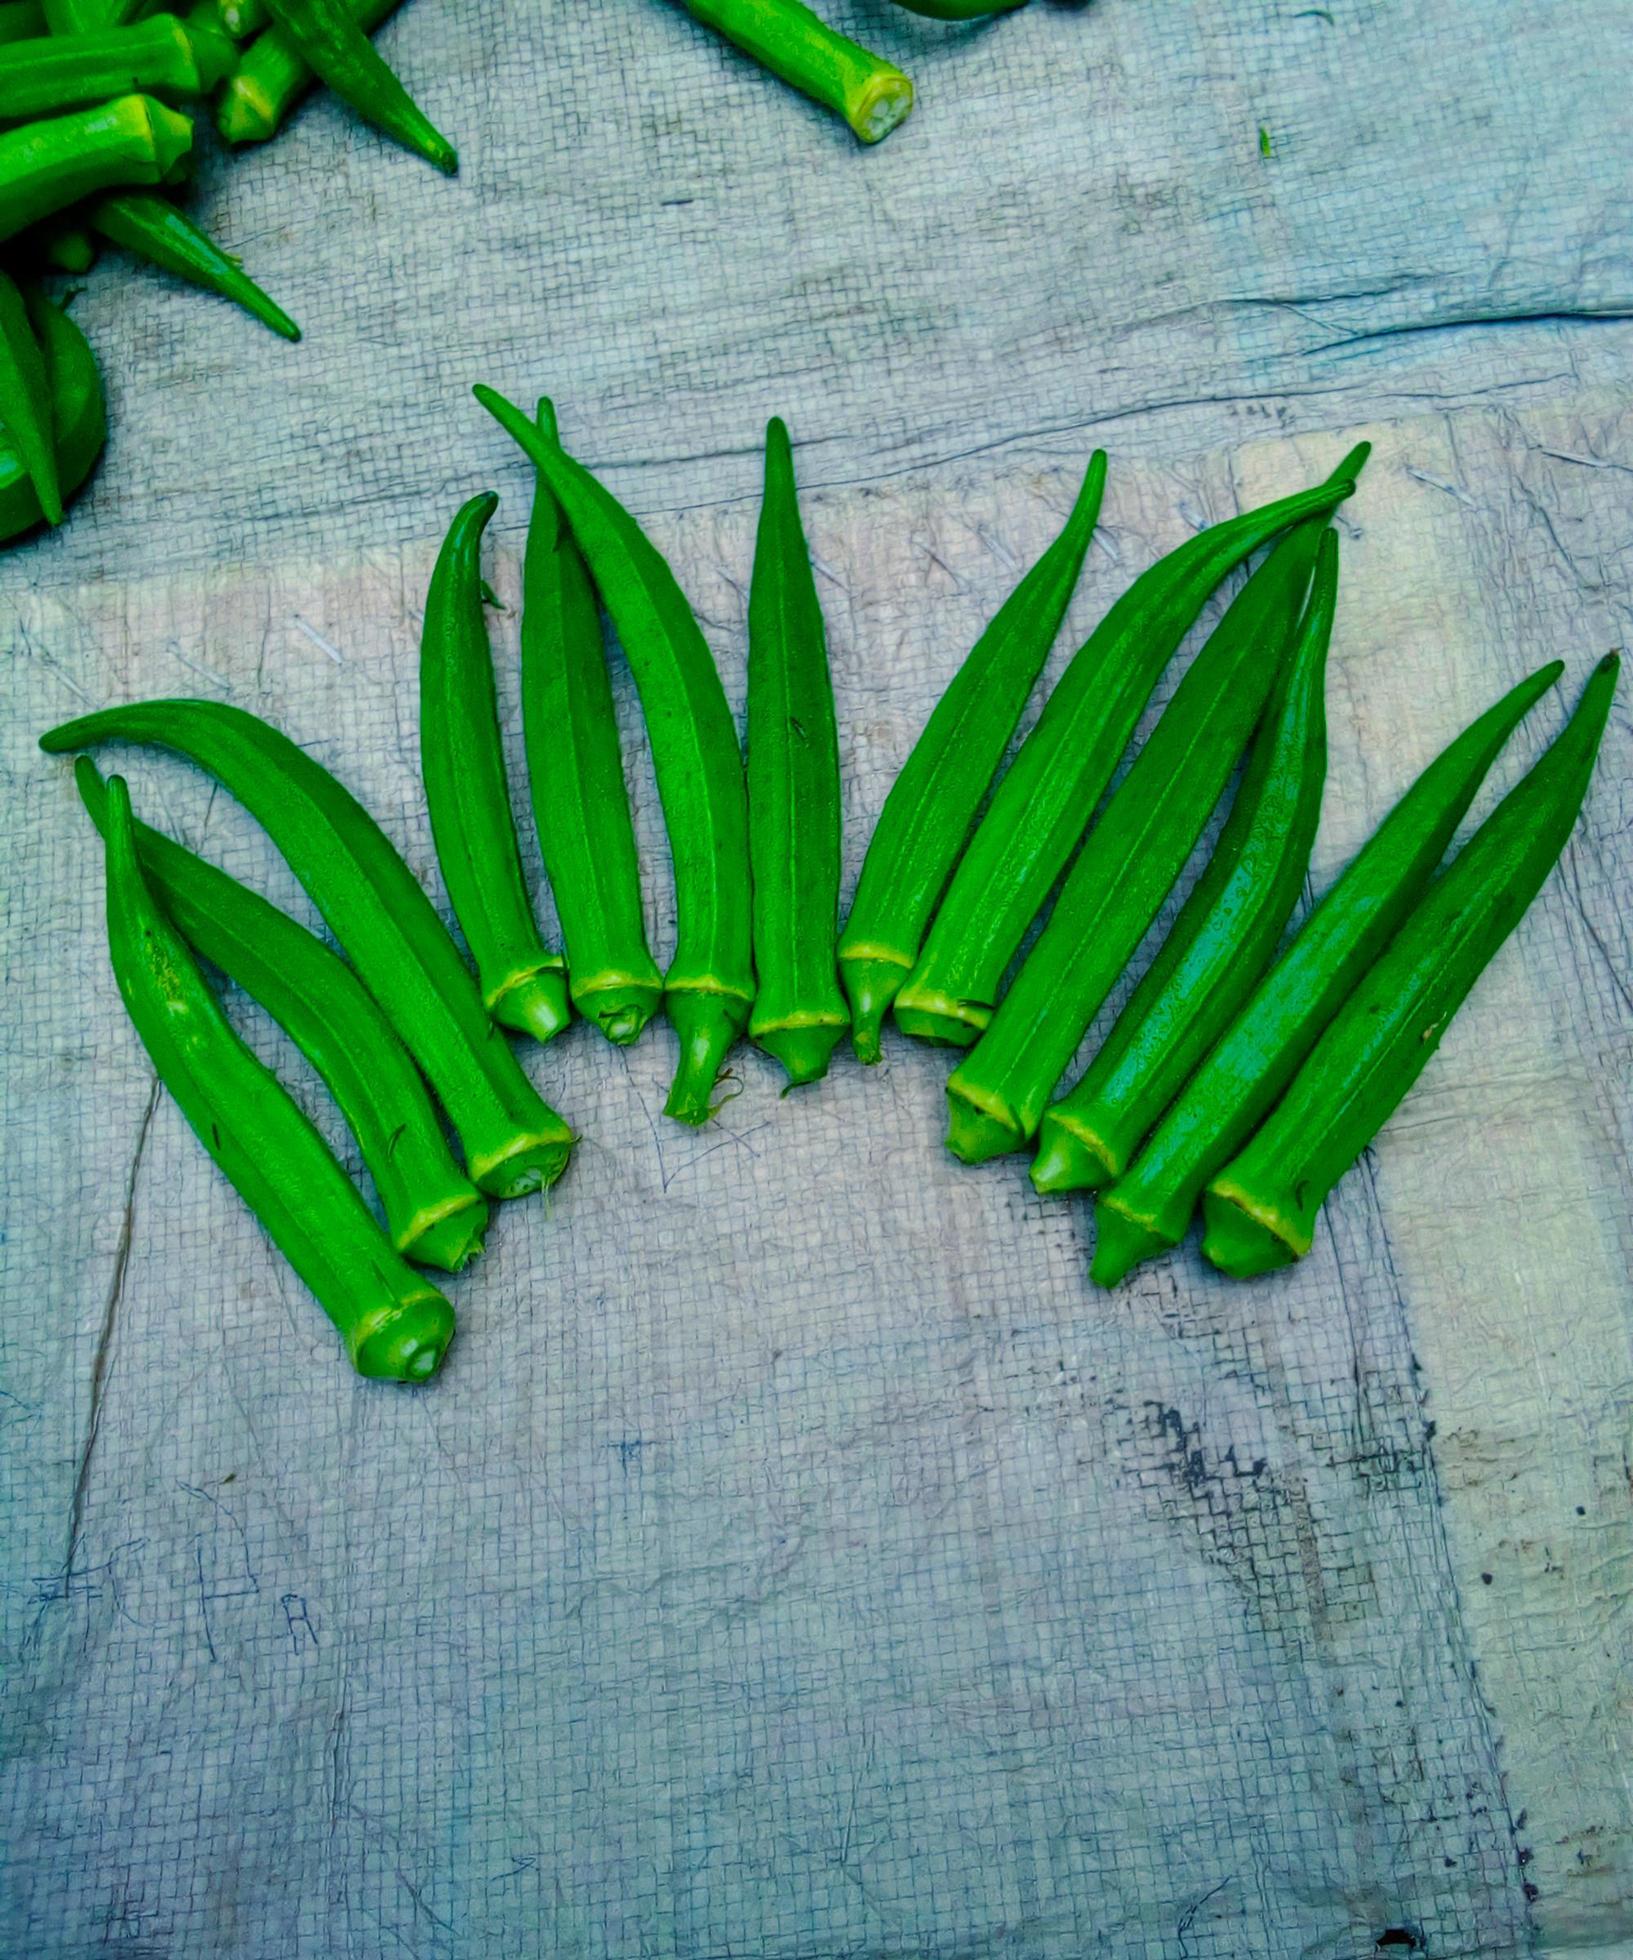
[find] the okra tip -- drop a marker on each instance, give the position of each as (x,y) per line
(1121,1243)
(404,1343)
(1070,1157)
(706,1024)
(976,1130)
(1241,1244)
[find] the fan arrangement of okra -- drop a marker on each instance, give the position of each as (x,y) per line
(1248,1070)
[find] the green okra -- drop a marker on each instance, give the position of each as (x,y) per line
(524,985)
(997,1094)
(395,1323)
(513,1141)
(709,987)
(1225,933)
(793,789)
(434,1214)
(272,76)
(79,419)
(237,18)
(1260,1210)
(872,95)
(21,20)
(62,244)
(25,399)
(1150,1206)
(153,229)
(932,805)
(330,40)
(45,166)
(88,16)
(1044,802)
(162,55)
(959,9)
(576,775)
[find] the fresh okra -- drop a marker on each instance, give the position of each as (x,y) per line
(1150,1206)
(524,985)
(79,419)
(1043,803)
(272,76)
(872,95)
(709,987)
(513,1141)
(793,789)
(162,54)
(330,40)
(1225,933)
(434,1214)
(238,18)
(88,16)
(25,399)
(45,166)
(933,802)
(396,1325)
(996,1096)
(1261,1209)
(153,229)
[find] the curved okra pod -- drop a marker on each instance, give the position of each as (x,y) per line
(932,803)
(79,420)
(161,54)
(272,76)
(513,1141)
(334,45)
(396,1325)
(996,1096)
(1261,1209)
(576,775)
(155,230)
(1225,933)
(25,399)
(1045,800)
(873,96)
(434,1214)
(793,789)
(47,165)
(709,987)
(524,986)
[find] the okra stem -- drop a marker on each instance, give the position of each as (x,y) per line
(155,230)
(329,38)
(78,418)
(161,54)
(872,95)
(25,399)
(272,76)
(47,165)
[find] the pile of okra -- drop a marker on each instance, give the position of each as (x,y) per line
(1248,1070)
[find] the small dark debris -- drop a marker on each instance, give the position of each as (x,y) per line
(1485,1578)
(1406,1939)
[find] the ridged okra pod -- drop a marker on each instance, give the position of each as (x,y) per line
(793,789)
(162,54)
(1260,1210)
(709,987)
(272,76)
(88,16)
(333,43)
(153,229)
(395,1323)
(1044,801)
(513,1141)
(524,984)
(1150,1205)
(25,399)
(932,804)
(798,47)
(434,1214)
(1226,930)
(576,776)
(997,1094)
(45,166)
(79,421)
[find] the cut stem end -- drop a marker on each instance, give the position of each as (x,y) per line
(707,1024)
(1239,1244)
(406,1343)
(975,1134)
(1070,1157)
(620,1009)
(870,985)
(804,1048)
(1120,1244)
(451,1239)
(940,1019)
(534,1003)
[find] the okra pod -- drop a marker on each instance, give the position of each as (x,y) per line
(79,419)
(434,1214)
(1150,1206)
(272,76)
(21,20)
(396,1325)
(959,9)
(932,804)
(155,230)
(332,43)
(1260,1210)
(524,986)
(45,166)
(793,788)
(576,777)
(88,16)
(1044,801)
(513,1141)
(996,1096)
(238,18)
(25,399)
(709,987)
(1225,933)
(161,54)
(872,95)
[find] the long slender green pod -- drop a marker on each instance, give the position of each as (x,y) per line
(524,985)
(872,95)
(1225,933)
(25,399)
(793,788)
(330,40)
(709,987)
(45,166)
(155,230)
(79,420)
(272,77)
(1260,1210)
(88,16)
(162,54)
(1149,1208)
(513,1141)
(932,805)
(997,1094)
(1044,802)
(576,776)
(434,1214)
(395,1324)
